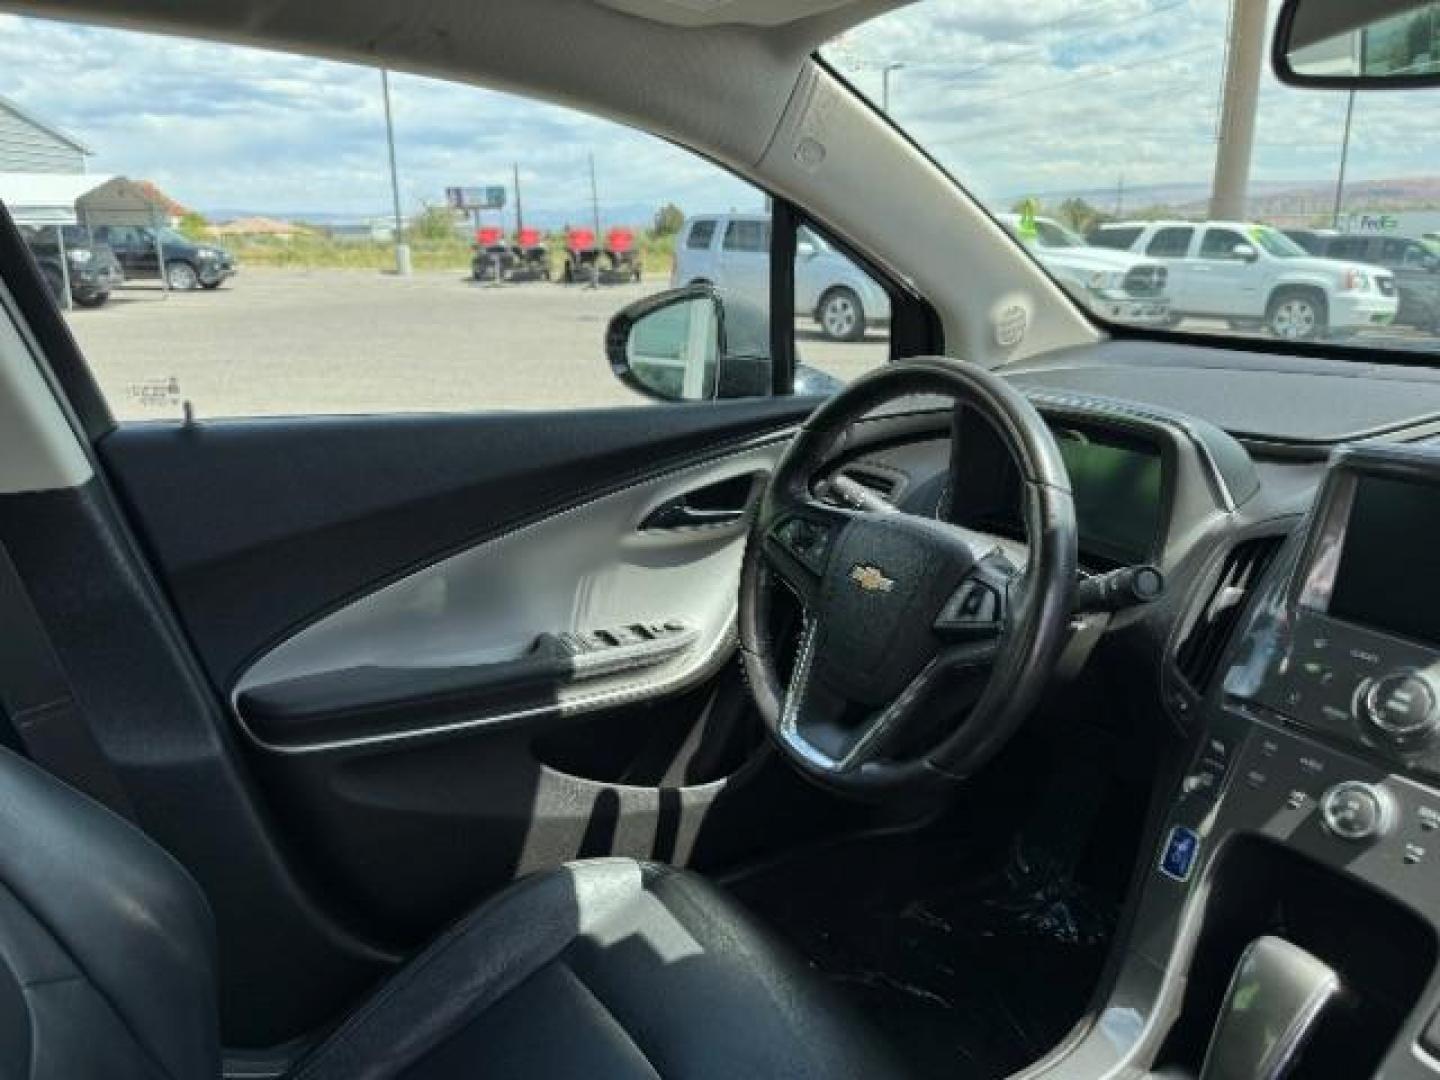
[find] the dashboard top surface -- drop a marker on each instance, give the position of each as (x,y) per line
(1255,395)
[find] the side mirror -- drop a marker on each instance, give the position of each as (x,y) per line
(687,345)
(1357,44)
(804,249)
(1245,253)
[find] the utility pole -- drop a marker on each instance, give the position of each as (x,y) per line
(595,213)
(1120,196)
(1344,158)
(402,249)
(885,84)
(1243,58)
(519,213)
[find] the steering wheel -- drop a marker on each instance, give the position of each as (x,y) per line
(920,651)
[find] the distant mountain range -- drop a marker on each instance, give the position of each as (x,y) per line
(1272,200)
(632,213)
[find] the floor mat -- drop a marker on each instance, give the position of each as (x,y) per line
(974,963)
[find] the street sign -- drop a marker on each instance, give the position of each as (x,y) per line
(475,198)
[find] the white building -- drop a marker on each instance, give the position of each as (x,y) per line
(30,145)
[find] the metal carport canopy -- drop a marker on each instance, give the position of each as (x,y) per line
(75,198)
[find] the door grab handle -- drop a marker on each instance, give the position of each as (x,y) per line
(678,514)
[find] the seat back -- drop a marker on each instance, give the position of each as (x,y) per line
(107,955)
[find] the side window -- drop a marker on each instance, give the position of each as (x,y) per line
(1170,243)
(304,279)
(1221,244)
(1348,247)
(701,233)
(1119,237)
(842,315)
(751,236)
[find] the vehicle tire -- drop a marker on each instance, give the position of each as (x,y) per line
(211,284)
(92,300)
(1296,315)
(181,276)
(840,315)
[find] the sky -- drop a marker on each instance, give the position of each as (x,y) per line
(1035,98)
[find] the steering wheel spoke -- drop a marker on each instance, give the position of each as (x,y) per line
(799,543)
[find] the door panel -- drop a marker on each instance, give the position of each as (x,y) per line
(586,575)
(262,527)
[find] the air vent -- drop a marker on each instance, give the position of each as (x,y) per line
(1199,653)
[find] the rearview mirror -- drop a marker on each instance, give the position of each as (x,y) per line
(1357,44)
(687,345)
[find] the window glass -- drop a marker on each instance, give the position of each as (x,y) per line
(701,233)
(1221,244)
(842,315)
(1170,243)
(1112,116)
(265,180)
(748,236)
(1348,247)
(1119,237)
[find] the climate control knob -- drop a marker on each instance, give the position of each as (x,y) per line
(1354,810)
(1401,706)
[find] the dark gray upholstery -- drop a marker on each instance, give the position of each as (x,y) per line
(607,968)
(107,958)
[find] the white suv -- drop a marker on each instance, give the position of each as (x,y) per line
(732,252)
(1253,275)
(1115,285)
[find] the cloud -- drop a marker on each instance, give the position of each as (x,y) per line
(1046,96)
(224,127)
(1064,96)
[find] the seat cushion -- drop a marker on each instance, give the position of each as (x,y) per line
(605,968)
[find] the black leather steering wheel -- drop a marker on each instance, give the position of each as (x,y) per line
(920,653)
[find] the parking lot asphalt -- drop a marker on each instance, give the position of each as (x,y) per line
(290,342)
(277,342)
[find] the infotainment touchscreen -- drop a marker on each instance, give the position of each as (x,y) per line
(1383,567)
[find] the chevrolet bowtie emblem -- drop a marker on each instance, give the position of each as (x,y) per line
(871,578)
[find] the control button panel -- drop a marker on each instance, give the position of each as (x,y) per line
(616,649)
(1360,686)
(1355,810)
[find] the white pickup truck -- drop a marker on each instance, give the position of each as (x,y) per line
(1253,275)
(1116,286)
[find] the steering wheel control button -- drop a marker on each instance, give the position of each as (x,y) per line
(1357,811)
(1182,846)
(1401,706)
(806,540)
(975,608)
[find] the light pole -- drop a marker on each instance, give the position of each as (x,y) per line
(1244,57)
(1344,159)
(885,71)
(402,249)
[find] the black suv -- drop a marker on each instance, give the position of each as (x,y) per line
(1416,268)
(188,264)
(93,268)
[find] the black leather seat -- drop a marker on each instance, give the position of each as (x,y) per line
(606,968)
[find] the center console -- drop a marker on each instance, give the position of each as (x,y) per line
(1307,823)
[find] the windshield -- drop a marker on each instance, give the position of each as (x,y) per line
(1050,235)
(1277,244)
(1120,124)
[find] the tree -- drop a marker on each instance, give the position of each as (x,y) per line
(194,225)
(1078,215)
(433,223)
(668,220)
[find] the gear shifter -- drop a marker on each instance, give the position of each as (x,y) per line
(1276,996)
